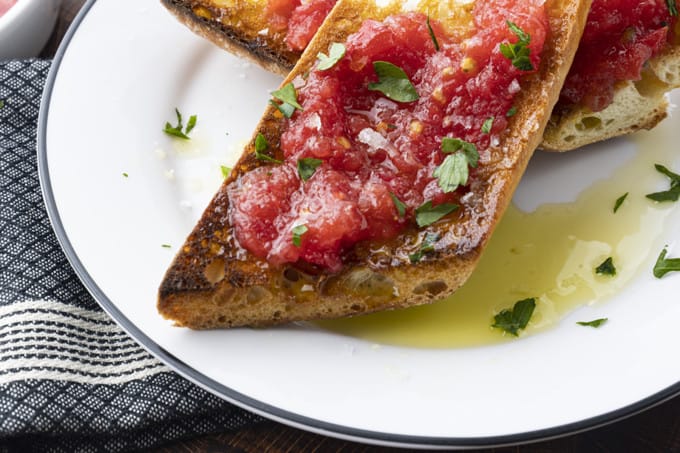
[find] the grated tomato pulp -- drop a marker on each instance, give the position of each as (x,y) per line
(374,150)
(300,19)
(619,38)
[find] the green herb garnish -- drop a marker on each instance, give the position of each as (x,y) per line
(298,231)
(261,146)
(125,175)
(288,96)
(672,8)
(673,193)
(307,166)
(286,110)
(619,202)
(518,53)
(393,82)
(664,266)
(335,53)
(2,103)
(606,268)
(401,207)
(166,246)
(488,124)
(451,145)
(594,323)
(511,112)
(432,36)
(454,171)
(226,171)
(512,321)
(176,131)
(426,214)
(426,246)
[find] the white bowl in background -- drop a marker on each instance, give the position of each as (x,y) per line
(25,28)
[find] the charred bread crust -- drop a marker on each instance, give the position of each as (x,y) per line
(212,282)
(243,37)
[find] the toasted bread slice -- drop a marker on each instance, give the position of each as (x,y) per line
(213,282)
(239,27)
(637,105)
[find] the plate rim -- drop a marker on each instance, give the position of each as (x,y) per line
(260,407)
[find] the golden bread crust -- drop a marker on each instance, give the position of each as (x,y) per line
(212,282)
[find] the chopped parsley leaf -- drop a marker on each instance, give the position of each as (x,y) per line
(166,246)
(125,175)
(672,8)
(511,112)
(664,266)
(191,124)
(335,53)
(176,131)
(226,171)
(426,214)
(518,53)
(619,201)
(426,246)
(451,145)
(595,323)
(307,166)
(401,207)
(288,96)
(393,82)
(512,321)
(432,36)
(488,124)
(454,171)
(261,145)
(286,110)
(606,268)
(298,231)
(673,193)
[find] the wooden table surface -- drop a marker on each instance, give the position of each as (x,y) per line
(655,430)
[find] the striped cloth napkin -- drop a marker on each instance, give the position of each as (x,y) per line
(70,378)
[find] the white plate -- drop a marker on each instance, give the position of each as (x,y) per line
(122,70)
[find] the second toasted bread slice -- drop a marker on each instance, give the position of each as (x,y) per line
(214,281)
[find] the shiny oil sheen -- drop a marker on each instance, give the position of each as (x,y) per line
(550,254)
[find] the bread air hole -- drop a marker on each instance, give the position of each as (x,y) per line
(650,85)
(588,123)
(256,294)
(214,272)
(365,282)
(433,288)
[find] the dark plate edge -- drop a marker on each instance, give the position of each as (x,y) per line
(259,407)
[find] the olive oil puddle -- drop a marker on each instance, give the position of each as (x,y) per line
(550,254)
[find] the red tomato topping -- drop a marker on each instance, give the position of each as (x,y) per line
(279,13)
(300,19)
(373,148)
(620,36)
(305,21)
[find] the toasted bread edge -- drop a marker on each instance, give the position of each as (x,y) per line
(232,39)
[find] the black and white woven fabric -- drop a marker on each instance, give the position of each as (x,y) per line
(70,378)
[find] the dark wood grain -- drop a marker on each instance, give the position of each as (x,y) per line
(655,430)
